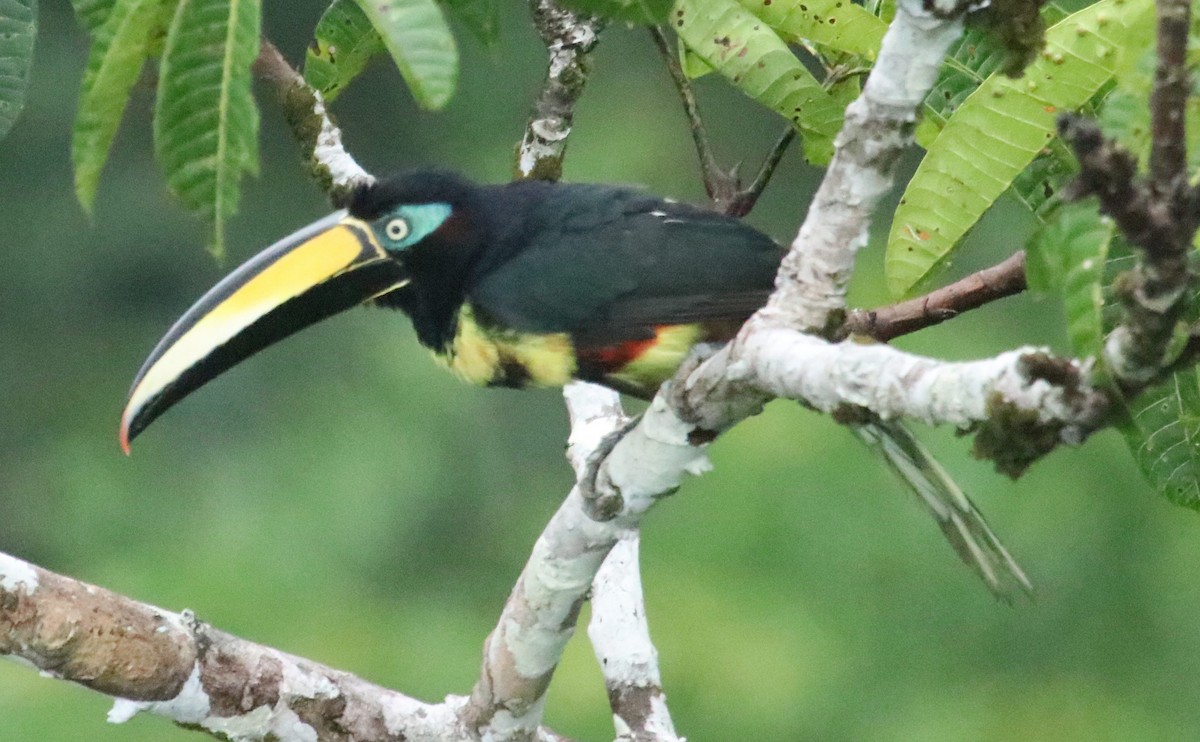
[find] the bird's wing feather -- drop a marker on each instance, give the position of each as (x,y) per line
(610,264)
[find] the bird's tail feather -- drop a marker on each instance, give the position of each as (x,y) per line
(960,521)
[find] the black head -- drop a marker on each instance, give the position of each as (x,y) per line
(406,241)
(429,185)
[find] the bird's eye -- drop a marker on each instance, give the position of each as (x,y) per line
(396,229)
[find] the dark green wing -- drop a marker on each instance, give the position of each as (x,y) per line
(609,264)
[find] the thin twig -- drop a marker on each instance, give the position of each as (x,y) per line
(749,196)
(715,179)
(997,282)
(724,187)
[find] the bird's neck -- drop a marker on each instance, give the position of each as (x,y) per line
(485,230)
(440,269)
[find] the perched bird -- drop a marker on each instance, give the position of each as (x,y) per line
(524,284)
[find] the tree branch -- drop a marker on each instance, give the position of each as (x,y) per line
(620,635)
(1168,101)
(175,666)
(1021,404)
(811,289)
(522,652)
(885,323)
(330,164)
(570,39)
(619,630)
(715,179)
(748,197)
(1160,226)
(1027,389)
(724,187)
(1158,215)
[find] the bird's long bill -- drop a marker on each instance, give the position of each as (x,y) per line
(323,269)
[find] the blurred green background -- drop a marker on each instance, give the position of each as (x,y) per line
(341,498)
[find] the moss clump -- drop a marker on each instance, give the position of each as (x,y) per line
(1013,438)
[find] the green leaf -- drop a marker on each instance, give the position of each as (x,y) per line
(972,59)
(481,17)
(205,120)
(624,11)
(836,24)
(416,35)
(1163,432)
(1073,255)
(92,13)
(18,26)
(343,43)
(997,132)
(693,66)
(119,50)
(1123,114)
(1067,257)
(756,60)
(1039,185)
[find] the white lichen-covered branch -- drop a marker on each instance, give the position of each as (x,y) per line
(541,614)
(894,384)
(1023,393)
(620,635)
(569,38)
(878,127)
(175,666)
(331,164)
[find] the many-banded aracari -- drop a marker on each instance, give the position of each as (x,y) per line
(523,284)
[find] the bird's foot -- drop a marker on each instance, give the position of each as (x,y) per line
(602,499)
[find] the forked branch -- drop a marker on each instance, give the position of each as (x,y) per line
(724,187)
(174,665)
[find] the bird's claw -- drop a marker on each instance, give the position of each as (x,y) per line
(602,500)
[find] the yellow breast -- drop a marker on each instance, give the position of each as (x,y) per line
(489,356)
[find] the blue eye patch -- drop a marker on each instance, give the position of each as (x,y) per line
(409,224)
